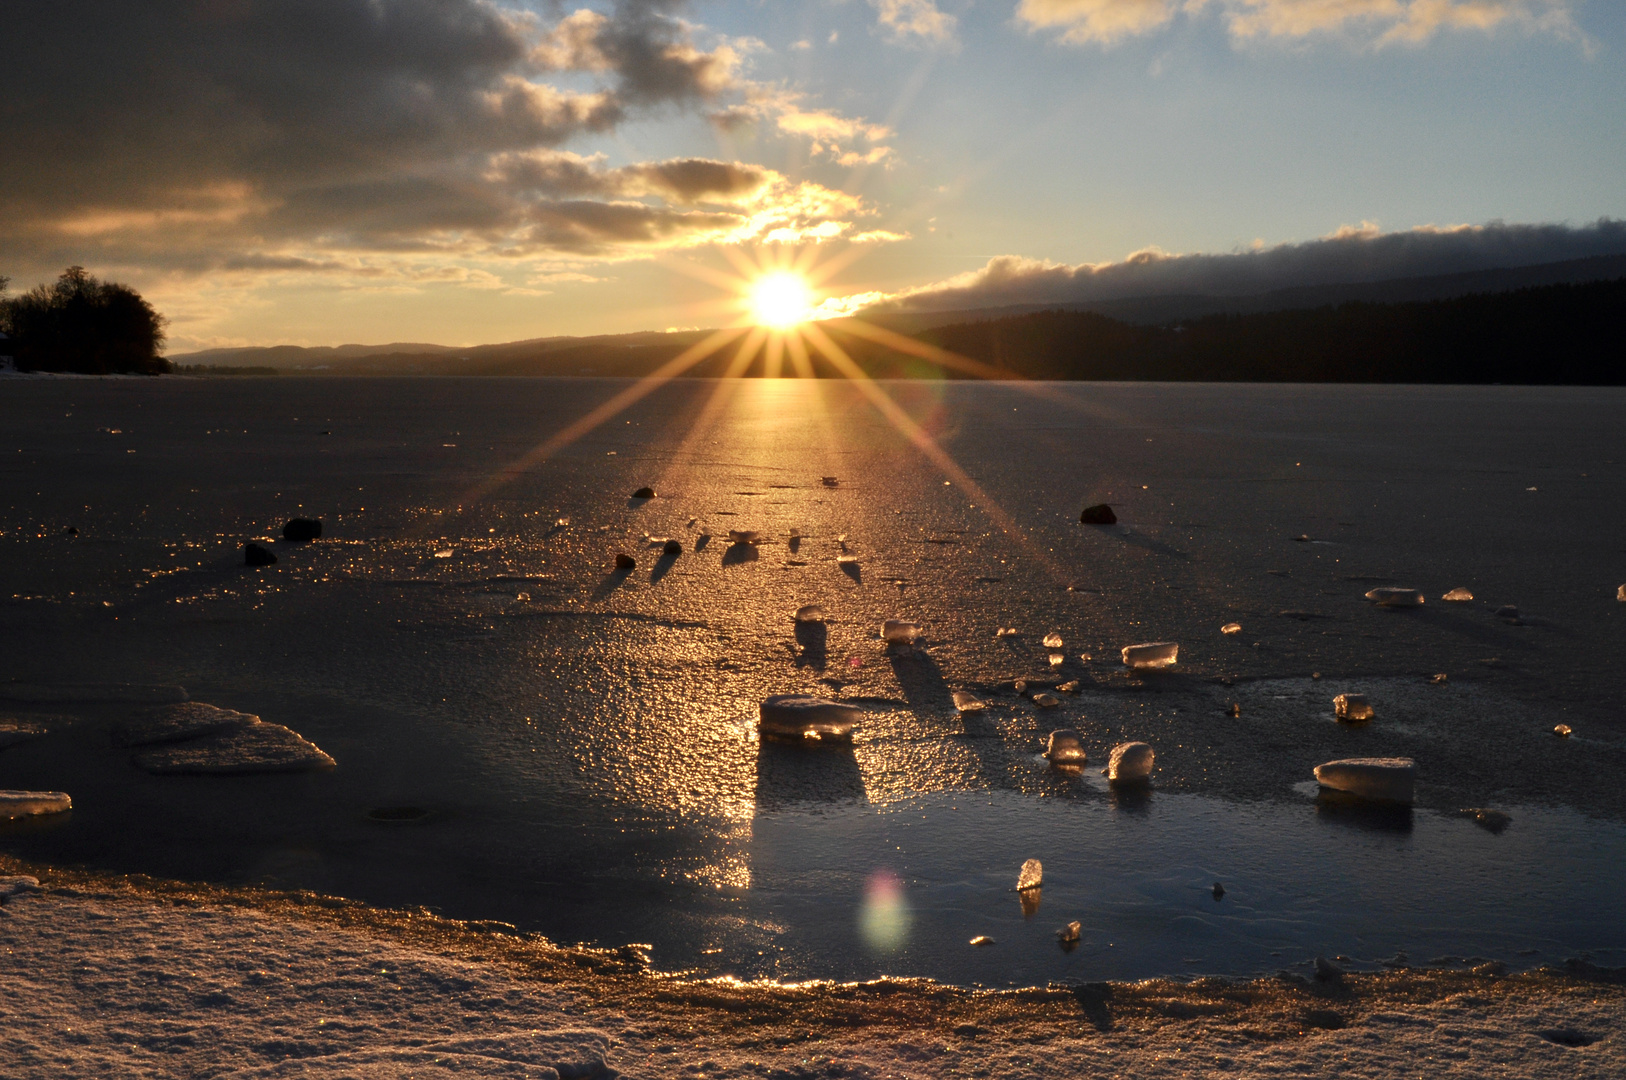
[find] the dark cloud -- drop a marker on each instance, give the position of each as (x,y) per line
(589,227)
(1347,257)
(128,127)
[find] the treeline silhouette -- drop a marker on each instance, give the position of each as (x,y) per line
(1571,334)
(80,324)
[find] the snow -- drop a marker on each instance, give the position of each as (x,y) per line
(1384,779)
(111,982)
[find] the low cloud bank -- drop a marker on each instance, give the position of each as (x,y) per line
(1348,256)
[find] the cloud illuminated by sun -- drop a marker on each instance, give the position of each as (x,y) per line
(780,299)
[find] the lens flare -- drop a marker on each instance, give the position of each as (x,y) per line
(884,918)
(780,300)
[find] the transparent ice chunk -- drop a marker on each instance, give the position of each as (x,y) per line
(1391,597)
(1352,708)
(1458,595)
(1070,934)
(16,804)
(1379,779)
(1130,763)
(966,701)
(1065,747)
(1056,658)
(1006,631)
(1231,628)
(802,716)
(982,939)
(1046,701)
(744,536)
(1620,594)
(847,560)
(810,613)
(900,632)
(1052,640)
(1031,877)
(1157,654)
(1562,731)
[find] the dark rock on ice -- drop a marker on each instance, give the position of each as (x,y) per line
(1100,514)
(672,547)
(300,530)
(623,561)
(255,555)
(1494,821)
(644,493)
(1219,890)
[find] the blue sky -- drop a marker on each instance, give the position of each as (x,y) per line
(940,135)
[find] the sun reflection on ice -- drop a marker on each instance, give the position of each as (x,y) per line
(884,916)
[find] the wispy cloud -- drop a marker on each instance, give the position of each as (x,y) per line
(1375,22)
(913,22)
(1352,254)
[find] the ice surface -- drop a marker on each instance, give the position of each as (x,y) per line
(1046,701)
(1065,747)
(802,716)
(1458,595)
(1032,876)
(1379,779)
(1231,628)
(1391,597)
(1157,654)
(251,748)
(1052,640)
(176,723)
(900,632)
(744,536)
(810,613)
(1130,763)
(1352,708)
(16,804)
(40,693)
(968,702)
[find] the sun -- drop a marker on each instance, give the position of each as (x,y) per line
(780,299)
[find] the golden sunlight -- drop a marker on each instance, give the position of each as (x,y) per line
(780,299)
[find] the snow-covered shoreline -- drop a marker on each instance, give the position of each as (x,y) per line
(108,976)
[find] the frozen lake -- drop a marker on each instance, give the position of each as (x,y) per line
(577,745)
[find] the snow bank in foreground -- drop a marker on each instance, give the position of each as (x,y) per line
(108,981)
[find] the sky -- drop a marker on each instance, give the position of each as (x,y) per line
(319,172)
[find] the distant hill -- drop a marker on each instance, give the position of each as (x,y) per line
(1491,326)
(1555,334)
